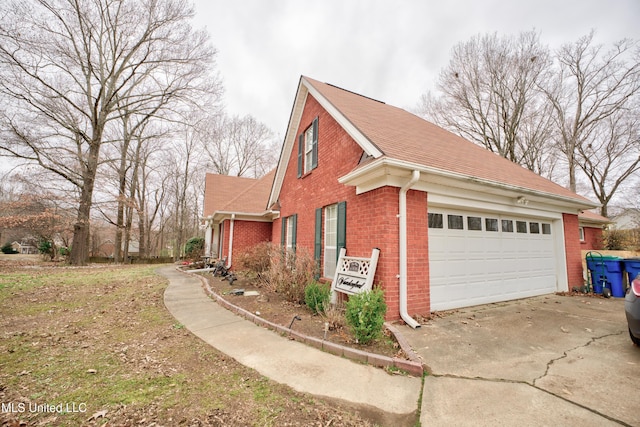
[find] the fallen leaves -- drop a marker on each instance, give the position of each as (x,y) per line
(98,414)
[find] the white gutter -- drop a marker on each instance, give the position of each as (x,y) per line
(415,176)
(362,172)
(233,217)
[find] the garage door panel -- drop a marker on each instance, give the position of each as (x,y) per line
(470,267)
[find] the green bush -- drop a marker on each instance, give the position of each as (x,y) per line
(8,249)
(45,247)
(365,315)
(317,296)
(194,248)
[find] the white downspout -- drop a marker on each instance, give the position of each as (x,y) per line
(233,217)
(415,176)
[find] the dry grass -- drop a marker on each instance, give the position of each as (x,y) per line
(98,344)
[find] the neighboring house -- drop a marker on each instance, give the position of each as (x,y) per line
(627,219)
(456,225)
(25,246)
(108,248)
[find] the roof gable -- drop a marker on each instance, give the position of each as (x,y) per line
(387,133)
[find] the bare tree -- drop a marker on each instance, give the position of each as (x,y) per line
(489,95)
(186,181)
(150,197)
(590,86)
(612,155)
(240,146)
(71,66)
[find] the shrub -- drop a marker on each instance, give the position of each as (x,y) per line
(334,316)
(45,247)
(257,259)
(8,249)
(194,248)
(365,315)
(280,271)
(290,272)
(317,296)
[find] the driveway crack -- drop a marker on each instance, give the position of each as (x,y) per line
(565,354)
(528,384)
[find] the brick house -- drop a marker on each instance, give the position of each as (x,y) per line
(456,225)
(235,214)
(591,226)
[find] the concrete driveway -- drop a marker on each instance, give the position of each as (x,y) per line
(550,360)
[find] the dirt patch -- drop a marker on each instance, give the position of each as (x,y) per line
(273,307)
(96,346)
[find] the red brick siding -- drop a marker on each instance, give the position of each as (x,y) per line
(592,239)
(247,234)
(418,298)
(371,217)
(572,248)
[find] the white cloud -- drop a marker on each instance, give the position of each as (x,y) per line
(388,50)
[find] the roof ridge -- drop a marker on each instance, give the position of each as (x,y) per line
(356,93)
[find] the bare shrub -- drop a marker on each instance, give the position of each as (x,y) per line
(334,314)
(290,273)
(279,270)
(256,261)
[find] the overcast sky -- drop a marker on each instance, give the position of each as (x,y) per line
(388,50)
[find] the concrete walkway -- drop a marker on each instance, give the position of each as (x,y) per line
(386,399)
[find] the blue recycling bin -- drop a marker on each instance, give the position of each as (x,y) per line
(606,271)
(632,267)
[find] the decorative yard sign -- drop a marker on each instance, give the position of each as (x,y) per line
(354,274)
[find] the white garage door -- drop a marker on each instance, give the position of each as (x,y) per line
(479,258)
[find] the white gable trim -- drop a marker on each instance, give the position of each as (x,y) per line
(304,89)
(369,147)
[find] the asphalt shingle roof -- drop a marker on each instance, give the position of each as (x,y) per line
(224,193)
(406,137)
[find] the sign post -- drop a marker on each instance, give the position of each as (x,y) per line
(354,274)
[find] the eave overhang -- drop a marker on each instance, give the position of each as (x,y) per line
(386,171)
(219,216)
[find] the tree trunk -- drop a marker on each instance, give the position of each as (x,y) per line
(81,229)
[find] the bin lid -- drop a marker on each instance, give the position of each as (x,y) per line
(604,257)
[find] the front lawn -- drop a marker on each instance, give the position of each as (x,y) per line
(95,345)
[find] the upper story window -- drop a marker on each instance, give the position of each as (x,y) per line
(308,149)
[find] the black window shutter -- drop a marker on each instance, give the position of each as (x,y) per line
(294,231)
(300,154)
(314,146)
(342,227)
